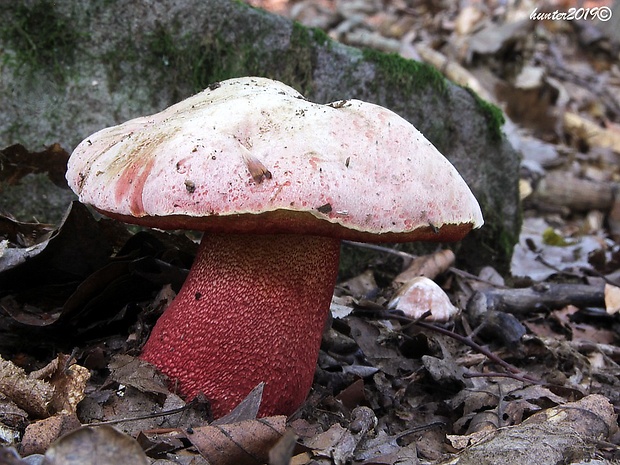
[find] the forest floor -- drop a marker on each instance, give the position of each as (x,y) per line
(523,368)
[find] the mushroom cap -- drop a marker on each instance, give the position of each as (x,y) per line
(253,155)
(421,295)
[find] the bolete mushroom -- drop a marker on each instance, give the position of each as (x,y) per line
(275,182)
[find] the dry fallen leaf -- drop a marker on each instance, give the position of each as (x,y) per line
(56,388)
(468,18)
(460,442)
(247,409)
(40,434)
(67,379)
(590,132)
(361,286)
(368,335)
(9,456)
(137,373)
(339,444)
(243,443)
(612,299)
(101,445)
(430,265)
(17,162)
(282,452)
(547,437)
(31,395)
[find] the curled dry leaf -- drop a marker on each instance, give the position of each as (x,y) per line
(460,442)
(68,380)
(468,18)
(9,456)
(452,70)
(243,443)
(30,276)
(282,451)
(362,285)
(137,373)
(592,418)
(421,295)
(430,266)
(58,387)
(21,234)
(31,395)
(548,437)
(384,449)
(341,306)
(101,445)
(40,434)
(339,444)
(17,162)
(12,418)
(336,443)
(367,335)
(247,409)
(494,38)
(591,132)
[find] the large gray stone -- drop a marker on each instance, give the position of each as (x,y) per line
(70,68)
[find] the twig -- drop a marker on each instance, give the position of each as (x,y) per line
(145,417)
(418,429)
(467,275)
(380,248)
(477,347)
(494,374)
(539,258)
(467,341)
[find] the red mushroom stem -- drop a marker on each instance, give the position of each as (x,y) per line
(252,309)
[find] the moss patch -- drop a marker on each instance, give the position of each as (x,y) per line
(313,35)
(190,66)
(41,38)
(492,114)
(181,62)
(409,75)
(178,62)
(299,60)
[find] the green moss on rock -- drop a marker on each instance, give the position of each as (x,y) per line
(408,75)
(40,38)
(492,114)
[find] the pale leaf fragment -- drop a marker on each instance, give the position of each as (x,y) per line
(612,299)
(68,381)
(591,132)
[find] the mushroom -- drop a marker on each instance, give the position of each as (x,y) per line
(422,295)
(275,182)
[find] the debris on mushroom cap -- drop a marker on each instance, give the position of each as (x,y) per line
(421,295)
(256,146)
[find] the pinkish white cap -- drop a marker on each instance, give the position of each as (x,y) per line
(421,295)
(253,155)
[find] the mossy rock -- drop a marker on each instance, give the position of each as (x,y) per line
(110,61)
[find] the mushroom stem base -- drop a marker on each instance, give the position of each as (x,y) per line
(252,310)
